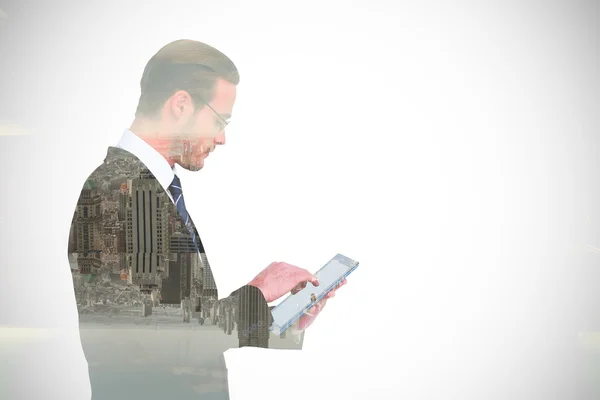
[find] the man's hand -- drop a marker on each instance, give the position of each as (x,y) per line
(280,278)
(309,316)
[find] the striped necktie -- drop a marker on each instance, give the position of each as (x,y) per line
(177,193)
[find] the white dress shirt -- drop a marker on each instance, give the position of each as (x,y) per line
(156,163)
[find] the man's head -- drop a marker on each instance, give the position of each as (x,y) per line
(188,90)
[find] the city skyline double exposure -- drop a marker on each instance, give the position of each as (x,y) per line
(146,296)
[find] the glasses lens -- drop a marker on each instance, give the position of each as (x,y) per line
(222,124)
(219,125)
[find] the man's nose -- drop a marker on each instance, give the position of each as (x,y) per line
(220,138)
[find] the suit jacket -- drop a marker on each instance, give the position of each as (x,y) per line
(148,303)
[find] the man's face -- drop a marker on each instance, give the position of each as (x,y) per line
(204,129)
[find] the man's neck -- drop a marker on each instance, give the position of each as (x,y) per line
(151,132)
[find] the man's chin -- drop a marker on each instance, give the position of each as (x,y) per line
(195,167)
(192,167)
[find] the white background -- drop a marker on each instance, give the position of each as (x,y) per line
(444,147)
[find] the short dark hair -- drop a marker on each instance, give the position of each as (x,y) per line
(183,65)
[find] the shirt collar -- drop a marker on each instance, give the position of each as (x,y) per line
(152,159)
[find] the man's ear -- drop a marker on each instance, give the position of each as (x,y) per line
(181,104)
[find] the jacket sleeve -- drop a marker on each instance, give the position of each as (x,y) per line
(254,319)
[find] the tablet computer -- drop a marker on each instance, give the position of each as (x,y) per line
(295,305)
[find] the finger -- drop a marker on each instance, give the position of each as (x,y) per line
(302,276)
(314,310)
(339,285)
(311,313)
(314,280)
(295,278)
(299,287)
(309,316)
(305,321)
(332,292)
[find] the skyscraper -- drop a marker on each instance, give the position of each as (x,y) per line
(123,197)
(88,225)
(208,281)
(184,277)
(146,233)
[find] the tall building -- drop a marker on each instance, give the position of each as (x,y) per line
(147,238)
(121,239)
(88,226)
(184,277)
(123,201)
(208,280)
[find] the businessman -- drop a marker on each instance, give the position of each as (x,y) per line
(137,260)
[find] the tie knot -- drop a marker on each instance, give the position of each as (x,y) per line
(176,186)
